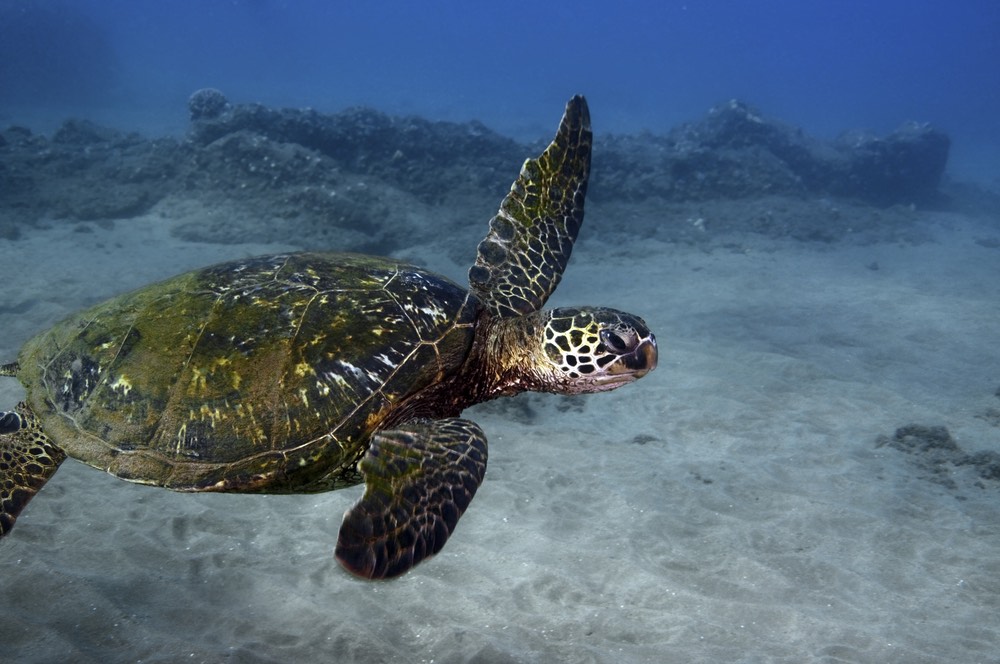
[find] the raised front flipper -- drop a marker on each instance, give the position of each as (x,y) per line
(27,461)
(522,259)
(419,478)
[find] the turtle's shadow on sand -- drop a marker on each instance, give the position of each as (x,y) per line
(528,407)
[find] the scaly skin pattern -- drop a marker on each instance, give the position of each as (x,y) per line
(27,461)
(522,258)
(269,374)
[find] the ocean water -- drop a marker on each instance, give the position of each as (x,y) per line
(826,67)
(749,501)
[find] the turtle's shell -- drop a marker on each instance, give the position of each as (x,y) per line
(268,374)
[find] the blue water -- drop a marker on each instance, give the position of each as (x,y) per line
(737,505)
(825,66)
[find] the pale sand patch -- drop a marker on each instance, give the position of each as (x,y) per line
(732,506)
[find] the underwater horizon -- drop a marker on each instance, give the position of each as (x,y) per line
(825,67)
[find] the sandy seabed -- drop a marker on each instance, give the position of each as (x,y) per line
(733,506)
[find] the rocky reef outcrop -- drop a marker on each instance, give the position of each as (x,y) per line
(734,152)
(351,175)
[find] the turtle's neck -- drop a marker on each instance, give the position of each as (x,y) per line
(502,362)
(505,358)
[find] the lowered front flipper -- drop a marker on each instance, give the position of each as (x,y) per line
(419,479)
(27,461)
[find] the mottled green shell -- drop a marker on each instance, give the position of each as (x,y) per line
(268,374)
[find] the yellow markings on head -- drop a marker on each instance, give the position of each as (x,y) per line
(236,380)
(304,395)
(122,383)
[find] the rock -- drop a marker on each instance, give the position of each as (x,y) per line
(735,152)
(986,463)
(904,167)
(430,160)
(921,439)
(84,132)
(936,452)
(350,175)
(207,104)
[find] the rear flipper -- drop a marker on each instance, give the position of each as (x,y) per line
(27,460)
(419,478)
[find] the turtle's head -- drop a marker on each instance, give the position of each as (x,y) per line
(592,349)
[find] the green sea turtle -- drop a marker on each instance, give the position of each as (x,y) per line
(309,372)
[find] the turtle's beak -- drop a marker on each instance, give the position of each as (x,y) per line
(629,367)
(643,359)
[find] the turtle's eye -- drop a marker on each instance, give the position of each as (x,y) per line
(618,341)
